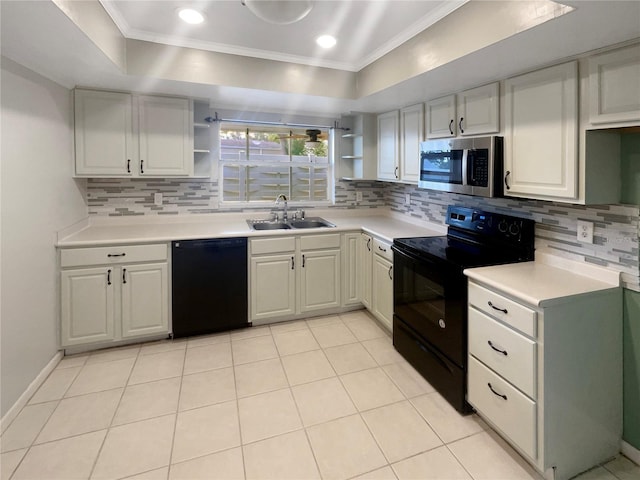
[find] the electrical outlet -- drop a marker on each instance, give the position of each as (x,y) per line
(358,196)
(407,199)
(585,231)
(157,199)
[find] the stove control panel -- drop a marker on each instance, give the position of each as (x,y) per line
(492,225)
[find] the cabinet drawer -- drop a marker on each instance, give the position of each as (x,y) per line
(514,415)
(508,353)
(77,257)
(273,245)
(512,313)
(383,249)
(312,242)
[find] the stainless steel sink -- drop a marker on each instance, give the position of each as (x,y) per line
(265,225)
(311,222)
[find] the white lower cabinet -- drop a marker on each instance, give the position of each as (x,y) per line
(382,283)
(113,293)
(350,269)
(549,379)
(294,275)
(365,264)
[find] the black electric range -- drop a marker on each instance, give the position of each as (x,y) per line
(430,291)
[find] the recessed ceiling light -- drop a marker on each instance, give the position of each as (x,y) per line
(326,41)
(191,16)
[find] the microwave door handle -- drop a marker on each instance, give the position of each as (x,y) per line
(465,159)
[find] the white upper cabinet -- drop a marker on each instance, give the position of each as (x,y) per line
(125,135)
(541,133)
(472,112)
(412,133)
(104,139)
(388,134)
(614,86)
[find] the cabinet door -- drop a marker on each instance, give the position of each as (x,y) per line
(541,132)
(614,86)
(478,109)
(273,286)
(383,290)
(350,277)
(388,130)
(166,142)
(104,139)
(87,310)
(319,280)
(412,128)
(441,114)
(145,299)
(364,269)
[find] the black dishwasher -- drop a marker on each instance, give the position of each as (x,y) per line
(209,285)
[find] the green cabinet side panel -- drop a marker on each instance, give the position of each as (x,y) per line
(630,167)
(631,432)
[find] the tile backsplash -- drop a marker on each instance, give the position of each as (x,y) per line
(616,232)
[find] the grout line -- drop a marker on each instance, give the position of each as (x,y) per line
(177,412)
(237,400)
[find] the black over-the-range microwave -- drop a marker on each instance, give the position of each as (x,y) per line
(472,166)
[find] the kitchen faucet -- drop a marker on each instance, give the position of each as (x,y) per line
(284,213)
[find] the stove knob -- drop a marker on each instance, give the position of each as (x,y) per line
(503,226)
(514,229)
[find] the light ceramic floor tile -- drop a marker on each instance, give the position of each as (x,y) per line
(384,473)
(207,388)
(254,349)
(356,315)
(623,468)
(26,426)
(157,474)
(408,380)
(206,430)
(111,354)
(250,332)
(72,361)
(296,341)
(101,376)
(326,320)
(381,349)
(487,457)
(162,346)
(267,415)
(322,401)
(598,473)
(202,340)
(9,461)
(288,326)
(207,357)
(148,400)
(365,329)
(56,385)
(83,414)
(349,358)
(333,334)
(307,367)
(158,366)
(260,377)
(286,457)
(435,464)
(135,448)
(344,448)
(400,431)
(225,465)
(371,388)
(445,420)
(65,459)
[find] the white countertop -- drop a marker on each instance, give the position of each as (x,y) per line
(111,231)
(547,281)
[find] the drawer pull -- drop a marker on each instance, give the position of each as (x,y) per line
(504,352)
(109,277)
(124,277)
(116,254)
(496,393)
(293,263)
(503,310)
(382,249)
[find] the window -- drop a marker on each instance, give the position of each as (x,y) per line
(259,162)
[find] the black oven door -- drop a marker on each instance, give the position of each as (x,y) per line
(431,298)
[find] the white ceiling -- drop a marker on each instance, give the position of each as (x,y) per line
(365,29)
(38,35)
